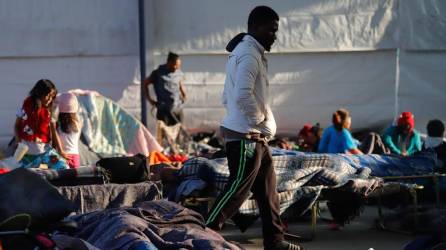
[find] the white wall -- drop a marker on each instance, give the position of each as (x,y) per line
(329,54)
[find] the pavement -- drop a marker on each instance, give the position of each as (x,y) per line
(360,234)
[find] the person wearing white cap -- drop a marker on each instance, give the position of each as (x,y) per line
(69,128)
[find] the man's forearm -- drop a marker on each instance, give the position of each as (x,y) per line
(146,92)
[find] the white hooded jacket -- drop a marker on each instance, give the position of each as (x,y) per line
(246,90)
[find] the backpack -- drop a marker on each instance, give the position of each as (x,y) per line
(126,169)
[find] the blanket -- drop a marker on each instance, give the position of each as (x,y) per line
(108,130)
(379,165)
(299,178)
(152,224)
(88,198)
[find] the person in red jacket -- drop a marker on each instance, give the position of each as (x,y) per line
(33,124)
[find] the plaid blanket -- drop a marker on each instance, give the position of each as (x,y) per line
(380,165)
(300,177)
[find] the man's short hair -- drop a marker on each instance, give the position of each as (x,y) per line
(172,57)
(261,15)
(435,128)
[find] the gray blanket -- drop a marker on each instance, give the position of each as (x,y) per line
(88,198)
(152,224)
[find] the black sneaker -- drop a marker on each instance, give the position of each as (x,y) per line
(284,245)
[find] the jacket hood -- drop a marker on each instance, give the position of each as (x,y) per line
(235,41)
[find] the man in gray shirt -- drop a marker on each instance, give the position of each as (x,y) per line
(167,82)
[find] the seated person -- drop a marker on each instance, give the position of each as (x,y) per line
(434,140)
(337,138)
(403,139)
(35,128)
(309,137)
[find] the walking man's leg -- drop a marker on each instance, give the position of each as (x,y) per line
(265,193)
(243,163)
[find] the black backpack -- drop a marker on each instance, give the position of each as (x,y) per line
(131,169)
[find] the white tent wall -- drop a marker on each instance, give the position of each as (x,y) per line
(422,61)
(305,87)
(329,54)
(203,26)
(422,24)
(422,87)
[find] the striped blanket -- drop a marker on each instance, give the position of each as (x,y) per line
(380,165)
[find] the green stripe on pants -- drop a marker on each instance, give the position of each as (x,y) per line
(234,186)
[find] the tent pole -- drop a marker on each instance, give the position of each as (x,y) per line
(142,60)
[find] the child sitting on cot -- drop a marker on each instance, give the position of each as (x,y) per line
(337,138)
(69,128)
(34,129)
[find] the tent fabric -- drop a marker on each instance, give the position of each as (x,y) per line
(422,25)
(308,80)
(109,130)
(310,25)
(305,26)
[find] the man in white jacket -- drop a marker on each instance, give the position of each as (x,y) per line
(247,127)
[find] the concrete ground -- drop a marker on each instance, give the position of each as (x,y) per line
(360,234)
